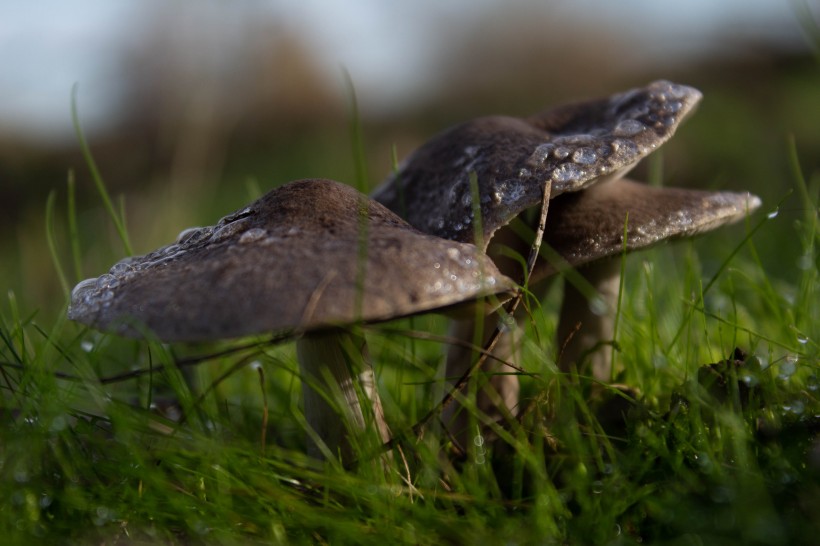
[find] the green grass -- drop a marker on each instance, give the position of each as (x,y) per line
(115,441)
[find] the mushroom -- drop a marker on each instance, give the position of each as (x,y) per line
(514,159)
(587,229)
(513,162)
(310,257)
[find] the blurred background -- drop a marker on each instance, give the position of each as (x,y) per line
(194,107)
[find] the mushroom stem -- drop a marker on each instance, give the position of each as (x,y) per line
(587,346)
(332,363)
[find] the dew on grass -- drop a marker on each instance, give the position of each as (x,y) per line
(58,424)
(86,346)
(787,367)
(749,379)
(45,500)
(757,363)
(773,214)
(597,487)
(102,515)
(704,462)
(796,407)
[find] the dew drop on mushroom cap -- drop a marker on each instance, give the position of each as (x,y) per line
(288,261)
(586,226)
(569,147)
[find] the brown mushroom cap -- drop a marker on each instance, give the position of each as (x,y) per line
(589,225)
(289,261)
(569,147)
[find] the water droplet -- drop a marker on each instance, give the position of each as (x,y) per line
(252,235)
(597,487)
(796,407)
(83,287)
(598,306)
(802,339)
(673,107)
(228,230)
(567,172)
(437,265)
(585,156)
(749,379)
(238,215)
(106,280)
(561,152)
(773,214)
(787,367)
(757,363)
(122,268)
(193,235)
(506,323)
(45,501)
(453,253)
(106,295)
(628,128)
(540,154)
(704,461)
(86,346)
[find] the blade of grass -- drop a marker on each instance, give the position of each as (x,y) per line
(52,247)
(616,320)
(73,232)
(119,222)
(359,161)
(745,242)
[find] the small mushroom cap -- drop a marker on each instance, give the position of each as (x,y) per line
(307,255)
(589,225)
(569,147)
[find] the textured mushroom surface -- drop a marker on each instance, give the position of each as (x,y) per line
(569,147)
(589,225)
(310,254)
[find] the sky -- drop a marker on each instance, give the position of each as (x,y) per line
(49,46)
